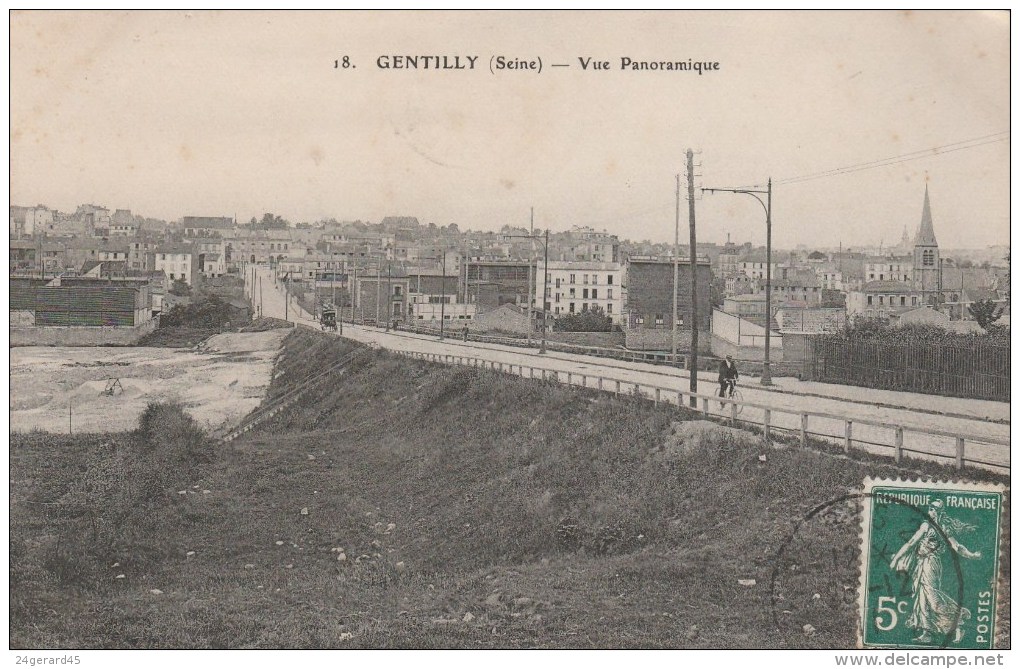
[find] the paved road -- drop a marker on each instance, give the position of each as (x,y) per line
(786,406)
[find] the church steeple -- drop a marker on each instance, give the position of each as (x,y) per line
(927,265)
(926,232)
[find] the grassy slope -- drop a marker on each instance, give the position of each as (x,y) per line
(554,517)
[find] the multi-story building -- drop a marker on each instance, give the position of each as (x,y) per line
(649,302)
(749,307)
(881,300)
(829,277)
(122,224)
(206,226)
(382,298)
(889,268)
(575,287)
(588,244)
(30,221)
(755,267)
(242,246)
(179,262)
(510,276)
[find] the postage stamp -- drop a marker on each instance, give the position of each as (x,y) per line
(929,564)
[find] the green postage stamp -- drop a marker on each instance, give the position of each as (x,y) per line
(929,564)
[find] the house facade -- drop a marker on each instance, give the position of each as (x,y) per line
(576,287)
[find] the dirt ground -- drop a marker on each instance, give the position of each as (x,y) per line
(218,383)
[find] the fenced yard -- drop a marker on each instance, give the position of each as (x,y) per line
(980,372)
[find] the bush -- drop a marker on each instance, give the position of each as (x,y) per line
(209,312)
(592,320)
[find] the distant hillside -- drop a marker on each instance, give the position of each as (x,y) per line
(406,504)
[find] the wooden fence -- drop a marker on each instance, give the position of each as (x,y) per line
(874,436)
(980,372)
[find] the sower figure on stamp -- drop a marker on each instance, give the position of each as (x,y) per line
(934,611)
(728,376)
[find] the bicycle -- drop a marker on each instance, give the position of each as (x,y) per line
(735,395)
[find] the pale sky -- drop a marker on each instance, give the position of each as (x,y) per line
(192,113)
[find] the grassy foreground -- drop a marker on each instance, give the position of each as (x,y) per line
(404,504)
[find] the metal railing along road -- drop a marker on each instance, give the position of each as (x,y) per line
(942,445)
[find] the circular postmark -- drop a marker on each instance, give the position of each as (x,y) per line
(819,582)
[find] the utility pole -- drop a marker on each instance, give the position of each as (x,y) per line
(442,302)
(545,292)
(260,296)
(286,296)
(389,295)
(766,371)
(354,291)
(531,283)
(694,279)
(378,286)
(676,265)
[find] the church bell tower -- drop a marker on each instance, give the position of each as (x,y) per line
(926,257)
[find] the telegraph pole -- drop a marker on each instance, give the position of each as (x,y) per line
(766,370)
(442,302)
(286,296)
(694,278)
(531,282)
(378,286)
(389,295)
(676,264)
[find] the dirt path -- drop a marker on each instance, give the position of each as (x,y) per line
(218,384)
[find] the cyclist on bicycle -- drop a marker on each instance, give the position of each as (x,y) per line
(728,376)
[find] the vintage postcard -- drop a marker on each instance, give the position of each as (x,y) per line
(509,330)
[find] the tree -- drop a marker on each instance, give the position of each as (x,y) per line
(180,288)
(985,312)
(592,320)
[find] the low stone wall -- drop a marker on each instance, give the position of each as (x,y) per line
(650,339)
(722,348)
(80,335)
(601,339)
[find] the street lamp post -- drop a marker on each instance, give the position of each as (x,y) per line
(766,372)
(545,281)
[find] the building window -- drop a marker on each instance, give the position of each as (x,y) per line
(584,293)
(594,293)
(928,258)
(869,300)
(584,307)
(881,299)
(609,308)
(609,296)
(903,300)
(571,307)
(610,280)
(557,299)
(573,278)
(572,293)
(595,279)
(659,320)
(557,282)
(913,300)
(396,291)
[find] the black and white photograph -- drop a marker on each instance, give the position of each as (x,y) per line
(502,330)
